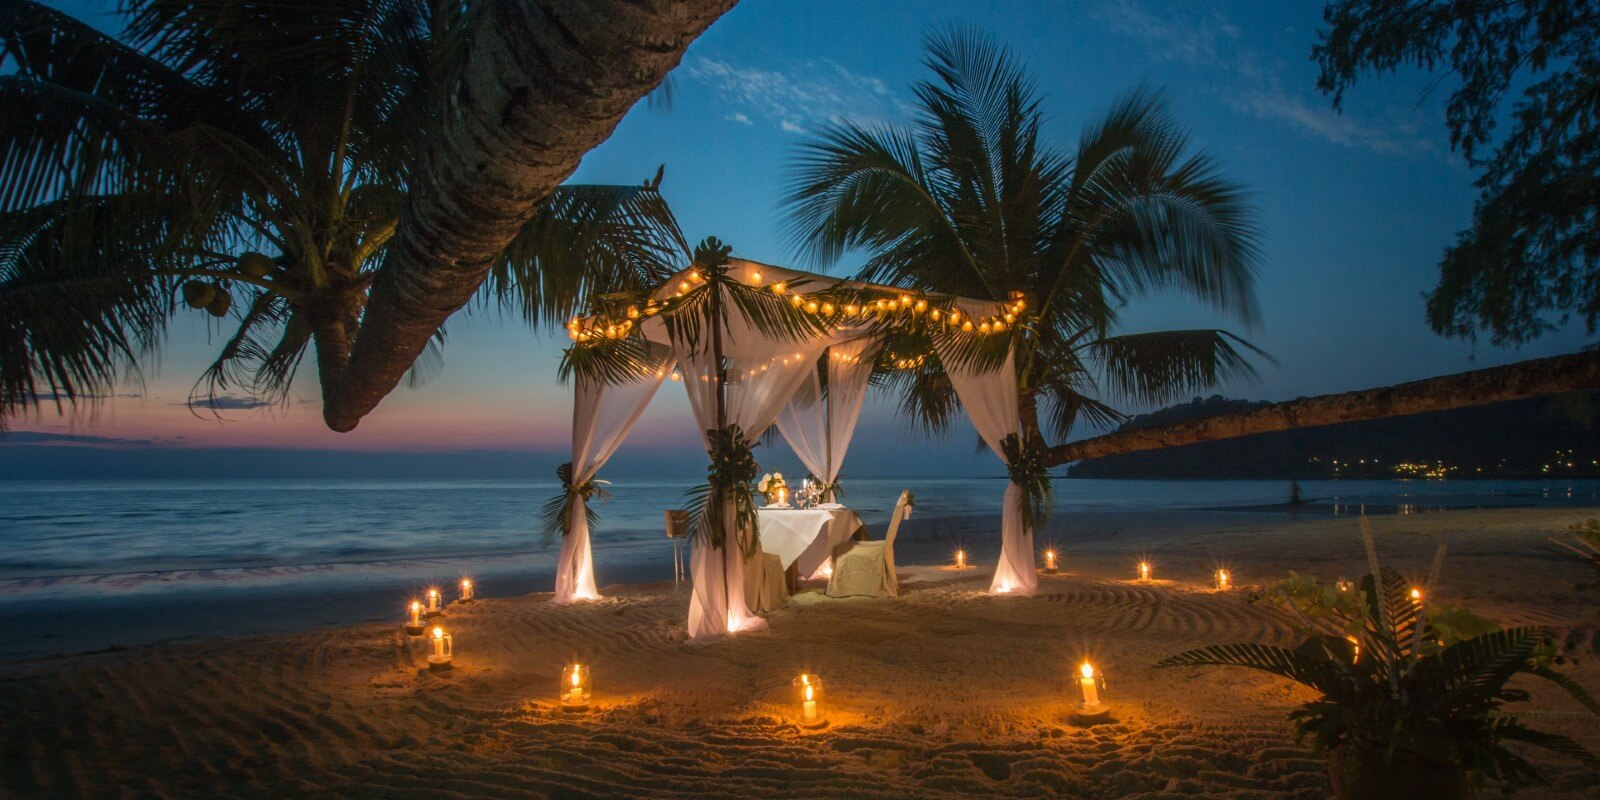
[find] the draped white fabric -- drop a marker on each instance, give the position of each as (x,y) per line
(763,374)
(990,399)
(819,429)
(602,416)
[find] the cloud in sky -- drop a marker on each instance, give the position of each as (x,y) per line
(228,402)
(799,98)
(83,440)
(1212,41)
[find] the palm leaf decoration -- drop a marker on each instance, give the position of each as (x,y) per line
(966,200)
(1391,681)
(249,159)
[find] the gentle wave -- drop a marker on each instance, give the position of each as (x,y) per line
(60,529)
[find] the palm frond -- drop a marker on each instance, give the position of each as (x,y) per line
(583,242)
(1296,665)
(1163,366)
(1507,727)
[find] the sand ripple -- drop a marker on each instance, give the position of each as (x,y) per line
(943,693)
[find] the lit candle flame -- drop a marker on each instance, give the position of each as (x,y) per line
(575,679)
(438,632)
(1416,595)
(1087,670)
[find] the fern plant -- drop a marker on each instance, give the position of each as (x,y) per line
(1411,694)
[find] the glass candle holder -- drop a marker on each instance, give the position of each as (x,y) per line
(808,708)
(1050,562)
(961,559)
(1144,570)
(1090,685)
(433,602)
(444,648)
(575,687)
(1224,580)
(466,589)
(414,618)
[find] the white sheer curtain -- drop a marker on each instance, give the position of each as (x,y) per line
(763,374)
(602,416)
(990,399)
(819,429)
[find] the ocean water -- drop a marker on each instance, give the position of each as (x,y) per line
(52,530)
(86,566)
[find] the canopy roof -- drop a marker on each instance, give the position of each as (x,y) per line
(834,307)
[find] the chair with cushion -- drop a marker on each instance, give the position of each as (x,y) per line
(765,586)
(866,569)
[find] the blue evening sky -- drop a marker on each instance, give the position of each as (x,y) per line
(1354,211)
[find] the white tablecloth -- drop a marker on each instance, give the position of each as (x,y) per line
(796,535)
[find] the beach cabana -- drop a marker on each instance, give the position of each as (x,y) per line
(757,345)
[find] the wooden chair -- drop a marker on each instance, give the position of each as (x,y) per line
(866,569)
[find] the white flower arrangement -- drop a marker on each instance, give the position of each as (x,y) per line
(765,482)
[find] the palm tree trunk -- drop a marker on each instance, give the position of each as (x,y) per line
(1543,376)
(544,82)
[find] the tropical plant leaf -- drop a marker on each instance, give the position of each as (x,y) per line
(1316,672)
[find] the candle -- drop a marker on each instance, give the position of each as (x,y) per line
(961,559)
(416,614)
(1050,561)
(1086,684)
(783,495)
(1144,570)
(1222,580)
(1416,595)
(433,601)
(466,589)
(438,642)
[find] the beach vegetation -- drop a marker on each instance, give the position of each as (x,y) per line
(1524,111)
(303,174)
(968,199)
(1411,695)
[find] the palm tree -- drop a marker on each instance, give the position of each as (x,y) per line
(254,160)
(967,201)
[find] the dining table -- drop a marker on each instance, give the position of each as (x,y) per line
(804,538)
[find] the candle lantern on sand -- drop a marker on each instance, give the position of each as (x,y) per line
(1090,685)
(466,591)
(1050,562)
(1144,570)
(414,621)
(961,559)
(1416,596)
(808,701)
(1224,580)
(433,608)
(444,649)
(575,687)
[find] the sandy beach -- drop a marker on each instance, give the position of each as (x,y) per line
(943,692)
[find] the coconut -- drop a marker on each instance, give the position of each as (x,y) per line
(256,265)
(220,304)
(199,294)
